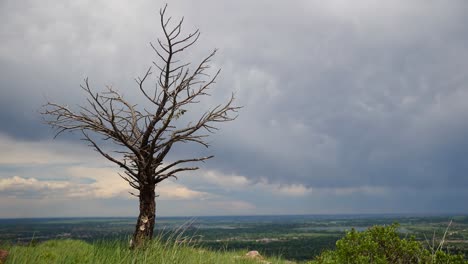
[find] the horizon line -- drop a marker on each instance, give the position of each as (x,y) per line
(259,215)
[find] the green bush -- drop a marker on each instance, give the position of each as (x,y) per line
(382,245)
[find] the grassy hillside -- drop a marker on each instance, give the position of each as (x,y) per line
(377,245)
(76,251)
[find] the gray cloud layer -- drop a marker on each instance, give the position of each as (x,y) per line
(336,94)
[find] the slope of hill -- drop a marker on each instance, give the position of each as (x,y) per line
(76,251)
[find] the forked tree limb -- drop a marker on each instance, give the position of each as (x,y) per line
(145,136)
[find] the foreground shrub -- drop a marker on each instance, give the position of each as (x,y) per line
(382,245)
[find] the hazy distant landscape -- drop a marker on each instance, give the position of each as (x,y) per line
(292,237)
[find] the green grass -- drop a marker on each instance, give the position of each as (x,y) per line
(76,251)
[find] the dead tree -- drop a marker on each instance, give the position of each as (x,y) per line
(145,135)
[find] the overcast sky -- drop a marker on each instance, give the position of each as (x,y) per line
(349,106)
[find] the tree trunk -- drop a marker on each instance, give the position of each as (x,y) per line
(145,223)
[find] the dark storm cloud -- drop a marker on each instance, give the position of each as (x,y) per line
(374,103)
(336,94)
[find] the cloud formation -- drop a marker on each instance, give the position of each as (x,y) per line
(358,104)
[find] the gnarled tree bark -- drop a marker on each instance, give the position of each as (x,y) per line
(146,219)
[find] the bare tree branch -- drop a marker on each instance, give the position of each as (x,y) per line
(143,137)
